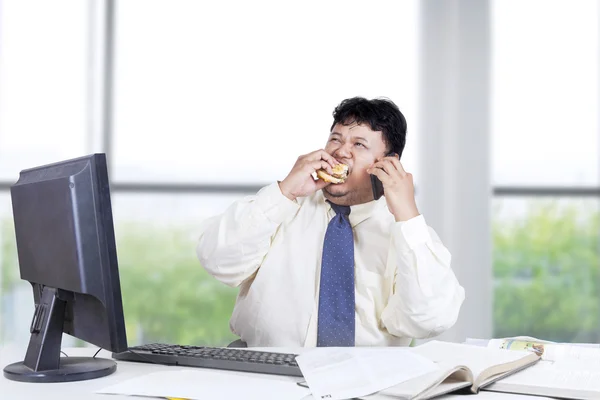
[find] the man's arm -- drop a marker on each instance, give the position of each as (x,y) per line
(427,296)
(233,245)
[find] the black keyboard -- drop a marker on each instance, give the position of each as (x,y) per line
(213,357)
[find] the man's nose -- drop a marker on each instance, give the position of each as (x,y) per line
(344,151)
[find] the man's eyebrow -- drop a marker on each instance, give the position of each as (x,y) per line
(361,138)
(335,133)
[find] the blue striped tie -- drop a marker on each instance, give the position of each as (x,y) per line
(336,293)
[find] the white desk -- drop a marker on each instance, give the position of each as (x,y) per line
(10,390)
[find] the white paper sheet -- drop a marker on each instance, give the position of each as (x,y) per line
(346,372)
(208,384)
(574,379)
(574,375)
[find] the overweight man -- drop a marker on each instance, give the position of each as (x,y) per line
(325,264)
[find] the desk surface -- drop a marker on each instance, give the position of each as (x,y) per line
(10,390)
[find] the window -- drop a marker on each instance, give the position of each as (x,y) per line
(545,93)
(167,295)
(42,120)
(16,297)
(42,76)
(545,133)
(546,268)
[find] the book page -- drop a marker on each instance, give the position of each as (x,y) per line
(447,379)
(478,359)
(347,372)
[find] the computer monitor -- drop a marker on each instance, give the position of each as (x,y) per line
(66,250)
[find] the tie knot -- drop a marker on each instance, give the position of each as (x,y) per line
(343,210)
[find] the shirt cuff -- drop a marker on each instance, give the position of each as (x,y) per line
(274,205)
(410,234)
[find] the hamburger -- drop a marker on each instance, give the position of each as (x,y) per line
(340,173)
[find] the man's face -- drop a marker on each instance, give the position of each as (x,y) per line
(359,147)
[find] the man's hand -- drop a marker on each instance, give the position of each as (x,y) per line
(299,182)
(398,187)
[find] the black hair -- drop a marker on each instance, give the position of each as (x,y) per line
(380,114)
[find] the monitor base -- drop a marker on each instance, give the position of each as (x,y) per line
(71,369)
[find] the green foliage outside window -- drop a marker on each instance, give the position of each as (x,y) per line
(546,274)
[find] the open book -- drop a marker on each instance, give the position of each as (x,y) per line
(461,367)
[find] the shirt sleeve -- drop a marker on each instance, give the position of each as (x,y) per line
(233,245)
(426,297)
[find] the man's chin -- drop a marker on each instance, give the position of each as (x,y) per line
(334,190)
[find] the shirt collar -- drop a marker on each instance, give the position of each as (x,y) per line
(359,212)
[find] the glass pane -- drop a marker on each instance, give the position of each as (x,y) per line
(42,76)
(167,295)
(546,261)
(16,297)
(545,92)
(235,92)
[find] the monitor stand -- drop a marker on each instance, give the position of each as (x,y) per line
(43,362)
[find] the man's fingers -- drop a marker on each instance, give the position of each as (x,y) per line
(320,164)
(322,155)
(398,165)
(329,158)
(391,164)
(381,174)
(386,165)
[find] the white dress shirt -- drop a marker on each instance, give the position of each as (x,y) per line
(271,247)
